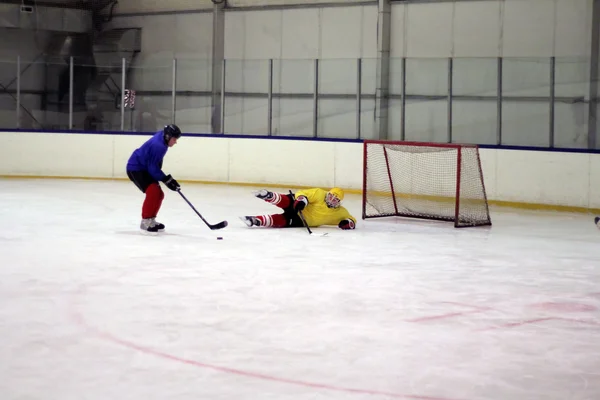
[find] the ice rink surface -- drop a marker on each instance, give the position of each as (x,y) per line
(397,309)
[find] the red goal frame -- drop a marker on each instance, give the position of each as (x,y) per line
(458,147)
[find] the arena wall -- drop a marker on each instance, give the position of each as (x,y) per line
(532,179)
(338,33)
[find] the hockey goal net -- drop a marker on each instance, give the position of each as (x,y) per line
(424,180)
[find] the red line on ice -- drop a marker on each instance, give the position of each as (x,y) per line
(515,324)
(580,321)
(79,319)
(475,310)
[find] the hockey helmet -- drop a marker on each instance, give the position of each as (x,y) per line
(334,197)
(171,131)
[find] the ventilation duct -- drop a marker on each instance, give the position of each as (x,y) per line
(109,49)
(111,46)
(45,18)
(97,72)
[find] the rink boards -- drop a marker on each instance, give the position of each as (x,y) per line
(524,178)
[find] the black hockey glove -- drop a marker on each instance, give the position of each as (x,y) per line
(171,183)
(346,224)
(300,203)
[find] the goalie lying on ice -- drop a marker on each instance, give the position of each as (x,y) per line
(318,206)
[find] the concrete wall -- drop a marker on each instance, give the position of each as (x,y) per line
(156,6)
(29,45)
(549,178)
(294,38)
(526,32)
(294,33)
(492,28)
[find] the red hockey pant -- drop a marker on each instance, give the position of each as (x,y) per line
(153,201)
(276,220)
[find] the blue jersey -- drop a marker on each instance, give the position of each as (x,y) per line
(149,157)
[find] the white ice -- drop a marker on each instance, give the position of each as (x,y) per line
(397,309)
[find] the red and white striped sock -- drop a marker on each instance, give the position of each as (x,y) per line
(279,200)
(272,221)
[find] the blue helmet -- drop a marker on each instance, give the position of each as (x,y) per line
(171,131)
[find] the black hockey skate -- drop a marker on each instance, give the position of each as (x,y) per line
(148,228)
(250,221)
(264,194)
(158,225)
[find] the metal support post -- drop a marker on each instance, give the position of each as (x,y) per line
(552,99)
(174,91)
(123,71)
(403,104)
(450,81)
(499,103)
(270,100)
(594,76)
(223,70)
(217,102)
(382,83)
(358,96)
(18,115)
(71,79)
(316,101)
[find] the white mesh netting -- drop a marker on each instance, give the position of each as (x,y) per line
(420,180)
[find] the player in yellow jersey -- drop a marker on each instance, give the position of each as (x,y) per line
(319,207)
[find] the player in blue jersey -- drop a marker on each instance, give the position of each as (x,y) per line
(144,168)
(318,206)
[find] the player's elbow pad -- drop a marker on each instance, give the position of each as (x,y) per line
(347,224)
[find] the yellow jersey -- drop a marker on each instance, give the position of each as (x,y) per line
(316,213)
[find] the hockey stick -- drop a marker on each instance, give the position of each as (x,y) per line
(303,220)
(220,225)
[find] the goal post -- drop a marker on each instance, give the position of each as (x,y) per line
(435,181)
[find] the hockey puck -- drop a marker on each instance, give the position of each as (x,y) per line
(219,238)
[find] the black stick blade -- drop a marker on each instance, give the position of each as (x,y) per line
(220,225)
